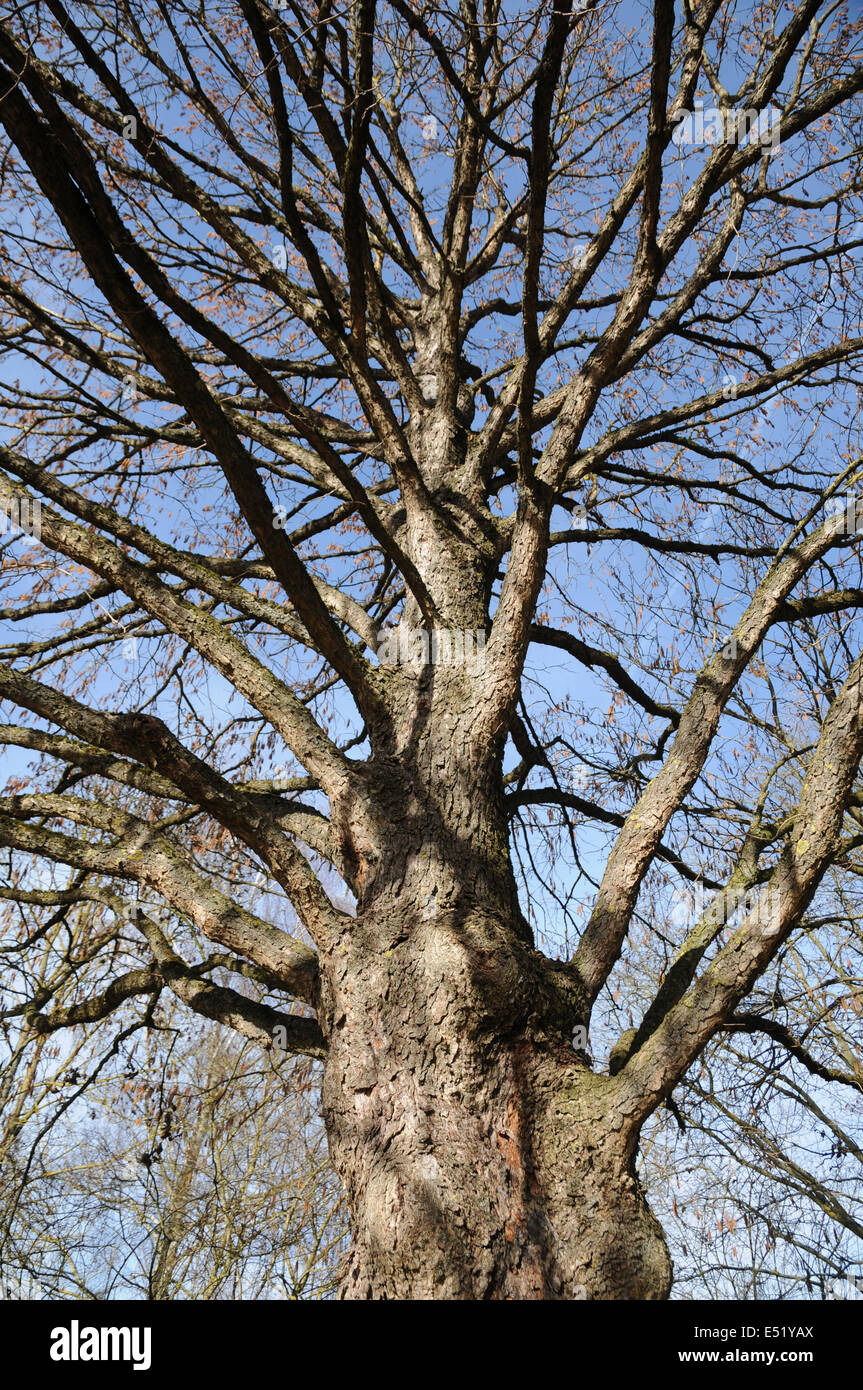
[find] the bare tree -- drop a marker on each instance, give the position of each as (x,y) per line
(347,350)
(139,1158)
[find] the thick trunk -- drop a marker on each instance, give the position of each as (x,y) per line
(480,1155)
(478,1164)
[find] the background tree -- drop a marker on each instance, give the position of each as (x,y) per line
(151,1161)
(326,330)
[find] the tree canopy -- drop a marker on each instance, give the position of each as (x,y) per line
(338,341)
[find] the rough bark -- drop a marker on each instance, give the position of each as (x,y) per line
(481,1156)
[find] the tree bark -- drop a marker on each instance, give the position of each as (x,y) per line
(481,1156)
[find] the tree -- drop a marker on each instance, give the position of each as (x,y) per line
(183,1169)
(348,349)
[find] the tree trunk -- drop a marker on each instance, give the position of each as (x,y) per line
(480,1155)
